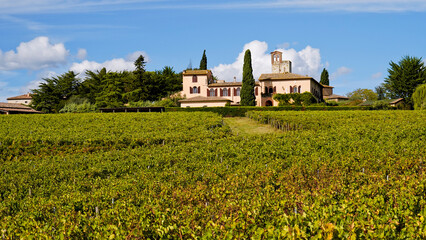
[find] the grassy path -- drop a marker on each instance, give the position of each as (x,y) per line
(247,126)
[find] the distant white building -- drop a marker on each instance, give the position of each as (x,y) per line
(200,89)
(22,99)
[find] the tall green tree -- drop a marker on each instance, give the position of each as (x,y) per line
(52,94)
(92,84)
(325,78)
(247,89)
(203,62)
(137,89)
(404,77)
(112,91)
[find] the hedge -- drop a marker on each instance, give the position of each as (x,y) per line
(241,111)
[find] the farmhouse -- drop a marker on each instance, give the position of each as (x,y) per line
(21,99)
(201,90)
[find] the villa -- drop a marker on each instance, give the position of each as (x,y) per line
(201,90)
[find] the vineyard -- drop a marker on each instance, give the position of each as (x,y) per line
(186,175)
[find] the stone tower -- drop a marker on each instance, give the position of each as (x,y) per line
(278,65)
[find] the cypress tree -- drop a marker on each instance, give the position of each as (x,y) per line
(247,90)
(324,77)
(203,62)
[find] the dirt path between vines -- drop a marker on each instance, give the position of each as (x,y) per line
(247,126)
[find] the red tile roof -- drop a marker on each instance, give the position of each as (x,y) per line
(282,76)
(16,108)
(21,97)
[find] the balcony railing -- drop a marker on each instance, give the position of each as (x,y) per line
(267,94)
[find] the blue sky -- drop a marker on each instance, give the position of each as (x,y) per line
(354,39)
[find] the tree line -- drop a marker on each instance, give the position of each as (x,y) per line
(104,88)
(406,79)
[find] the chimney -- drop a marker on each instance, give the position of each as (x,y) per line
(235,79)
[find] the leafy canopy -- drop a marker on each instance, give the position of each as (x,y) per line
(363,94)
(404,77)
(419,97)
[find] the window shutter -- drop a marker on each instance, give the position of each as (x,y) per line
(291,89)
(235,92)
(275,89)
(190,90)
(229,92)
(221,92)
(215,92)
(208,93)
(199,90)
(194,78)
(300,88)
(256,91)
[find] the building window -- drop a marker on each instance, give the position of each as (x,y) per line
(194,78)
(295,89)
(225,92)
(271,90)
(194,90)
(238,91)
(212,92)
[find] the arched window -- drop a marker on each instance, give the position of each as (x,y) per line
(225,92)
(194,90)
(212,92)
(271,90)
(194,78)
(295,89)
(266,89)
(238,91)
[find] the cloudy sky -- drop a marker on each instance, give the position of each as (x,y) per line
(354,39)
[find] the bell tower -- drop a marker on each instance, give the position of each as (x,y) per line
(278,65)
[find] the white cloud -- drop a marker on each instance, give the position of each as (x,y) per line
(116,64)
(82,53)
(340,72)
(133,56)
(377,75)
(304,62)
(36,54)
